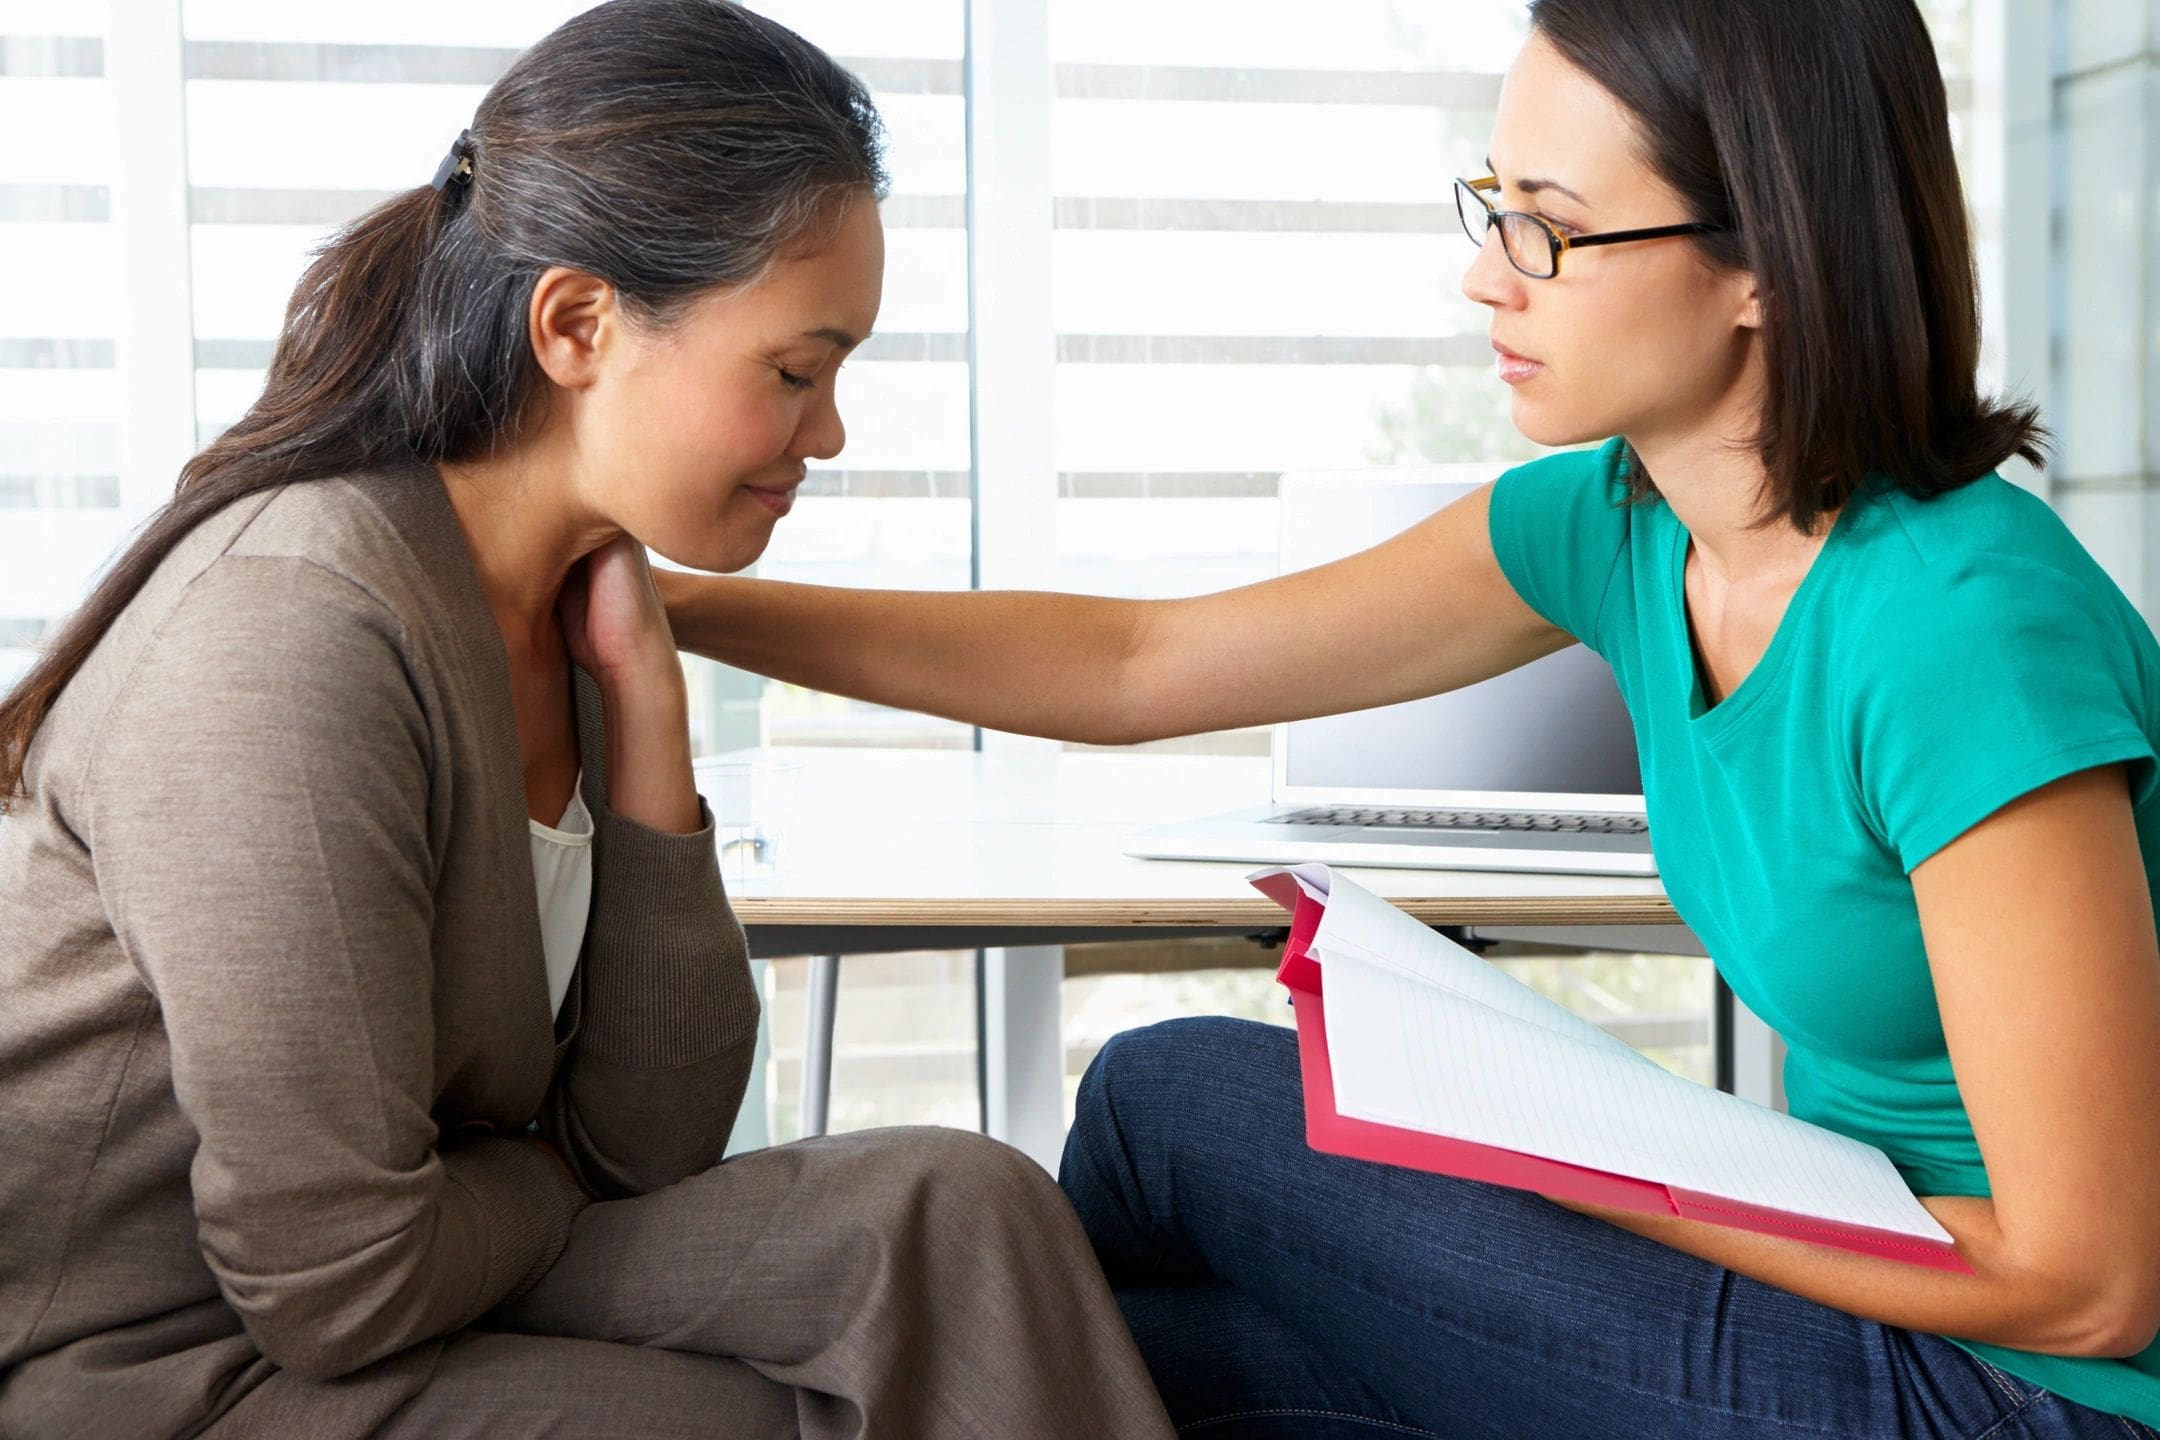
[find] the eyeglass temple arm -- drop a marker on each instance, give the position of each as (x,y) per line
(1654,232)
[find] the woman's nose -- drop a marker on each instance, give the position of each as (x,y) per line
(823,435)
(1492,279)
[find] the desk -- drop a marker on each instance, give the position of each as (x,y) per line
(1015,852)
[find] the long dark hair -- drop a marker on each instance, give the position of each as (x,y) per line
(664,146)
(1819,133)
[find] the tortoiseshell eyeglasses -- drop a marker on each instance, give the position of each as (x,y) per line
(1532,243)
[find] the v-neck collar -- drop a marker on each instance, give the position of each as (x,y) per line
(1710,721)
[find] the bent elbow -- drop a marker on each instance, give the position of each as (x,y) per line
(2114,1321)
(323,1317)
(304,1340)
(323,1340)
(2123,1332)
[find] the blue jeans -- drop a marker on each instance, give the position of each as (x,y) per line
(1276,1292)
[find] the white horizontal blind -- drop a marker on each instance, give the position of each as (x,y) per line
(1258,266)
(62,387)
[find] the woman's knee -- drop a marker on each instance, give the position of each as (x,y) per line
(1167,1072)
(964,1173)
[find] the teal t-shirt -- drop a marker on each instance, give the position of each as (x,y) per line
(1941,658)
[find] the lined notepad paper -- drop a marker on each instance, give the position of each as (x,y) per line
(1426,1036)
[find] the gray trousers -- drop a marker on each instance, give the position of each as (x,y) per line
(893,1283)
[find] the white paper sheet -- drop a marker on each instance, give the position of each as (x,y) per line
(1423,1034)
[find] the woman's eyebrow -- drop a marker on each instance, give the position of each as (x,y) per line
(838,337)
(1532,187)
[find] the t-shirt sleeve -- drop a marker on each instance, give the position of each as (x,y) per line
(1980,680)
(1558,528)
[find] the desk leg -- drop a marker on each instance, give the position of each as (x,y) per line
(1024,1049)
(823,1005)
(1758,1059)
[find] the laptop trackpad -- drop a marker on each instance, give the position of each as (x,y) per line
(1408,835)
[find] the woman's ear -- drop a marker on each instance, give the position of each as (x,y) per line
(1750,314)
(573,320)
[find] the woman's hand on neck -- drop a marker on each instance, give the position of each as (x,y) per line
(617,631)
(567,585)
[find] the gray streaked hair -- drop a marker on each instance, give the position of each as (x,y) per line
(667,147)
(664,146)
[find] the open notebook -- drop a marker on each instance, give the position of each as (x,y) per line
(1424,1055)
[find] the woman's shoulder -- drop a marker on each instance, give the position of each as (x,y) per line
(1573,505)
(1987,516)
(326,589)
(1560,528)
(390,533)
(1981,589)
(1981,551)
(1596,473)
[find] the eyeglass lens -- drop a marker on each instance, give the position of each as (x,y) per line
(1529,249)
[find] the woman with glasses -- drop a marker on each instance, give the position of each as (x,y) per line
(1898,741)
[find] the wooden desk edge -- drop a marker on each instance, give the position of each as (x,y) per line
(1256,913)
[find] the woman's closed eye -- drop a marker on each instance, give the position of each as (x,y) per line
(797,382)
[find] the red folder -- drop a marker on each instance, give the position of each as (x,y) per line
(1336,1134)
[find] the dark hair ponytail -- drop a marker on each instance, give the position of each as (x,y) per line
(1818,132)
(664,146)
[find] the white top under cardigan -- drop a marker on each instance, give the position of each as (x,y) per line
(562,875)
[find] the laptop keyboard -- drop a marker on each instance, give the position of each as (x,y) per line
(1373,819)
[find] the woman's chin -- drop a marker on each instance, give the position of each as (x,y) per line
(1542,423)
(715,555)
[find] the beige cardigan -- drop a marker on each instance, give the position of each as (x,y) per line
(272,999)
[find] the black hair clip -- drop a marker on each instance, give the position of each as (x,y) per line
(457,165)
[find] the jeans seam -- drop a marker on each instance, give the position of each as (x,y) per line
(2026,1404)
(2002,1383)
(1395,1425)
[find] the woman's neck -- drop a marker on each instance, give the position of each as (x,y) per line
(524,530)
(1717,489)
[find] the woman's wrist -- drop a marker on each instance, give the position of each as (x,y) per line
(647,714)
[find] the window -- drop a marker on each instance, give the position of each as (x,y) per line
(1257,262)
(1254,266)
(61,382)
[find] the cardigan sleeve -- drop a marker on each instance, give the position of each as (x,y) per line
(668,1016)
(258,824)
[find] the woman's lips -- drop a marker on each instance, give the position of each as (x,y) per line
(778,501)
(1514,368)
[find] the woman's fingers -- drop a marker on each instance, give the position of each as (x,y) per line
(611,611)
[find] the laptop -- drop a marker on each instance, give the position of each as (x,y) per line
(1532,770)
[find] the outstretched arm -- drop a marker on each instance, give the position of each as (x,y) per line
(1426,612)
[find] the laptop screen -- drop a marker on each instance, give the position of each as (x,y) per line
(1555,726)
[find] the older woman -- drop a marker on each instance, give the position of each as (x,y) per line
(354,834)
